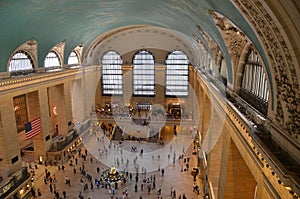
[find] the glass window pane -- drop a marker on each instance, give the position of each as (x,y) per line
(52,60)
(143,74)
(73,59)
(177,74)
(254,76)
(20,61)
(112,80)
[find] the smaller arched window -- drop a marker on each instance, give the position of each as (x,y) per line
(177,74)
(254,78)
(223,71)
(254,88)
(112,80)
(20,63)
(143,74)
(52,61)
(73,59)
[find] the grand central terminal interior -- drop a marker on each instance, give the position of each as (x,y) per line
(150,99)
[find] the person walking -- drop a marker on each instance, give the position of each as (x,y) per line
(39,192)
(92,186)
(136,178)
(51,188)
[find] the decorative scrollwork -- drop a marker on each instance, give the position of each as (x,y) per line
(288,94)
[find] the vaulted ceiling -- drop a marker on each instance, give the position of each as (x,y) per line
(76,21)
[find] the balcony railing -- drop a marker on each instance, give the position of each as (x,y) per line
(15,180)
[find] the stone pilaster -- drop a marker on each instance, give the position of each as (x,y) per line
(239,181)
(68,101)
(9,145)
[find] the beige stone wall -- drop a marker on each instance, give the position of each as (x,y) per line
(239,181)
(43,92)
(8,134)
(233,160)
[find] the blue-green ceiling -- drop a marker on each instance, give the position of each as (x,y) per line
(75,21)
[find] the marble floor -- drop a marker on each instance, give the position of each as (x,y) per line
(103,153)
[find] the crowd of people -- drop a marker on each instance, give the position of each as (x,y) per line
(87,179)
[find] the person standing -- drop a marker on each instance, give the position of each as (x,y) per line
(39,192)
(136,178)
(32,191)
(187,166)
(174,194)
(80,195)
(149,188)
(50,187)
(135,187)
(64,194)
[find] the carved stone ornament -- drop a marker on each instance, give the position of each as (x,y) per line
(288,94)
(234,38)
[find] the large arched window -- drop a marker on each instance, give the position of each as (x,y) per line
(254,88)
(177,74)
(112,81)
(21,114)
(73,59)
(52,61)
(143,74)
(20,63)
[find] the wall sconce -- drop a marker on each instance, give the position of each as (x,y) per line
(40,159)
(54,110)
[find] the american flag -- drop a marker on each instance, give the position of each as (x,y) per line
(33,128)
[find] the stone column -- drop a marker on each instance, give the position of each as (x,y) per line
(160,85)
(10,158)
(33,109)
(224,162)
(42,142)
(90,81)
(77,101)
(127,84)
(68,102)
(57,95)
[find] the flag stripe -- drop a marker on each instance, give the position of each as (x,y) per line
(35,128)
